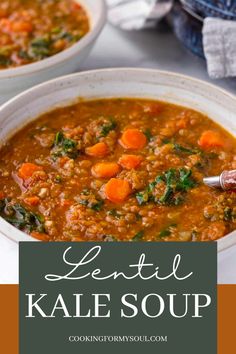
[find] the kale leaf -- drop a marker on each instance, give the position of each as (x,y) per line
(20,217)
(88,199)
(184,150)
(40,48)
(64,147)
(107,127)
(114,213)
(177,183)
(167,231)
(4,60)
(147,132)
(138,237)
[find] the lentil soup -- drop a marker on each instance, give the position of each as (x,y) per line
(34,30)
(118,170)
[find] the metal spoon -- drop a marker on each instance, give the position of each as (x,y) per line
(226,181)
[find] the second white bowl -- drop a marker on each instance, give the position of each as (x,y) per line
(16,80)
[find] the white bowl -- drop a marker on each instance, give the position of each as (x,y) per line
(16,80)
(216,103)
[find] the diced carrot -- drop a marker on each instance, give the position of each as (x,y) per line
(21,26)
(39,236)
(5,39)
(33,201)
(117,190)
(66,203)
(63,160)
(130,161)
(210,138)
(153,108)
(60,44)
(97,150)
(1,195)
(3,13)
(133,139)
(75,6)
(5,25)
(182,123)
(27,170)
(105,169)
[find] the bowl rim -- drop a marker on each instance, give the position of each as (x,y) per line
(223,243)
(117,69)
(57,59)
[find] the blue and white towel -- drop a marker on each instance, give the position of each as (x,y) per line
(219,36)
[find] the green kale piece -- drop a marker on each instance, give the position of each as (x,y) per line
(177,183)
(20,217)
(63,146)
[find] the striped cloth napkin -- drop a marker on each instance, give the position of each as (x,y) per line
(219,42)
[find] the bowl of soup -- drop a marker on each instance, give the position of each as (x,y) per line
(40,40)
(118,155)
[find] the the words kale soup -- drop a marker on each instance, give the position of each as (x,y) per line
(107,297)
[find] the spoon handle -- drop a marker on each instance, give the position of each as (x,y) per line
(228,180)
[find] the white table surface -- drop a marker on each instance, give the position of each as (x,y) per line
(146,49)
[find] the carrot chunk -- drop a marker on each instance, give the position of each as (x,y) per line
(39,236)
(9,26)
(130,161)
(117,190)
(97,150)
(210,138)
(66,203)
(75,6)
(133,139)
(182,123)
(3,13)
(32,201)
(1,195)
(105,169)
(63,160)
(153,108)
(27,170)
(5,25)
(21,26)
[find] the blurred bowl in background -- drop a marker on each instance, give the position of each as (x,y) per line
(16,80)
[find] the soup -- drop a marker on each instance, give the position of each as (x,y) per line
(34,30)
(118,170)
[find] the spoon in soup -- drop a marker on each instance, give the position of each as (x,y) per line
(226,180)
